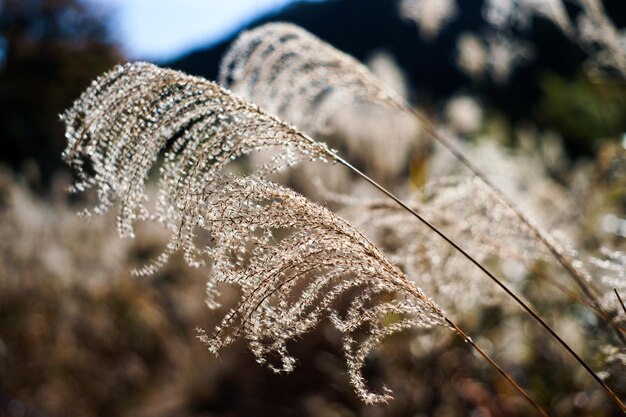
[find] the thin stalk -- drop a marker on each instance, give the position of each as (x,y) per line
(485,356)
(525,306)
(567,265)
(620,300)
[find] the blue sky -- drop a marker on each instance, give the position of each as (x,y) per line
(162,29)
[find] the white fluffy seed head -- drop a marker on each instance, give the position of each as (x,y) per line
(292,259)
(302,79)
(139,119)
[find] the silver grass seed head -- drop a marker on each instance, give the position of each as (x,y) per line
(468,212)
(292,73)
(138,114)
(301,261)
(302,79)
(291,258)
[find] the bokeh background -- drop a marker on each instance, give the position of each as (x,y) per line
(80,337)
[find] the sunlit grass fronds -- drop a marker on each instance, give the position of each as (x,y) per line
(293,260)
(293,74)
(468,212)
(139,116)
(324,77)
(303,80)
(138,119)
(591,28)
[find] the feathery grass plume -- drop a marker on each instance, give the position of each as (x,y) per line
(291,73)
(303,80)
(137,112)
(292,260)
(131,115)
(117,131)
(504,14)
(468,212)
